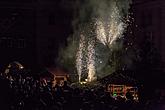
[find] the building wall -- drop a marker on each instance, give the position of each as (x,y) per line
(150,20)
(53,24)
(31,31)
(17,33)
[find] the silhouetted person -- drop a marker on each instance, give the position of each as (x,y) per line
(129,95)
(4,94)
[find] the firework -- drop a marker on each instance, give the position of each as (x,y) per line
(110,27)
(91,60)
(80,55)
(107,24)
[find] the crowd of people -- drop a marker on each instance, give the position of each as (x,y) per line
(27,93)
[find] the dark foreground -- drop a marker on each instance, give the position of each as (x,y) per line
(27,93)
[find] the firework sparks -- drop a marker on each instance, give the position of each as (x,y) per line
(85,62)
(110,27)
(79,60)
(91,61)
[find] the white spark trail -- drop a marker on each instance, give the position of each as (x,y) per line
(91,61)
(79,59)
(110,28)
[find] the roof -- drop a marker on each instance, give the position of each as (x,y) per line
(15,64)
(56,71)
(118,78)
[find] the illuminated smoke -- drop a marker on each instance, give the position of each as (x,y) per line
(91,61)
(110,20)
(110,27)
(80,56)
(85,60)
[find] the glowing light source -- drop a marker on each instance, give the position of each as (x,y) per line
(106,28)
(79,57)
(110,27)
(85,61)
(91,60)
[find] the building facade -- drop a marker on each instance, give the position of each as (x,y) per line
(149,18)
(17,36)
(32,30)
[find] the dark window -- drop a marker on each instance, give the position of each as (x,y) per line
(4,42)
(146,19)
(51,19)
(149,36)
(7,42)
(21,43)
